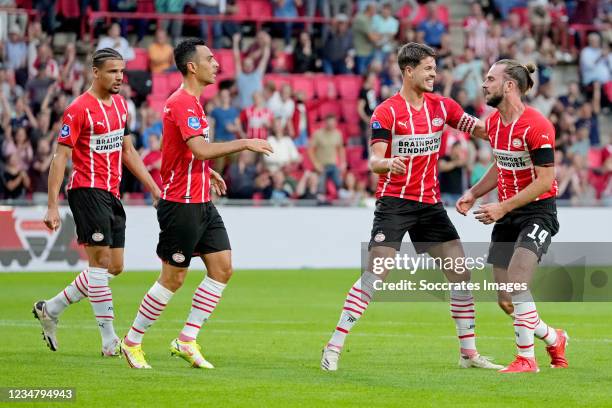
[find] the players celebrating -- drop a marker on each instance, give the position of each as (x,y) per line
(406,135)
(93,135)
(525,217)
(189,222)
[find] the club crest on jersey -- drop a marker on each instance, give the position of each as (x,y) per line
(193,122)
(517,143)
(380,237)
(437,122)
(97,236)
(376,125)
(65,132)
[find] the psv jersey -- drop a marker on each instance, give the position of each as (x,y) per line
(513,147)
(95,133)
(185,179)
(415,135)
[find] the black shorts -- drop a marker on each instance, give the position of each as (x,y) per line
(99,217)
(188,230)
(531,226)
(427,224)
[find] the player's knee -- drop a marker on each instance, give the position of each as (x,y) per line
(223,273)
(102,259)
(506,306)
(115,269)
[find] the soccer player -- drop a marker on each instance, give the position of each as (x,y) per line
(189,222)
(525,217)
(404,151)
(95,135)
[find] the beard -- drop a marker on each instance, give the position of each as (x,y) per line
(112,91)
(495,100)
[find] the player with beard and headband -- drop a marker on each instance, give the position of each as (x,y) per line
(190,225)
(404,150)
(95,135)
(525,218)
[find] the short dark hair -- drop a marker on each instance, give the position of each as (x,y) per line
(184,51)
(411,54)
(104,54)
(519,73)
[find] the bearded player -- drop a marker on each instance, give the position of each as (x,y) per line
(94,134)
(525,217)
(189,222)
(404,151)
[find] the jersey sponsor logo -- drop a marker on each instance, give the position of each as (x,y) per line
(193,122)
(512,160)
(107,142)
(65,132)
(97,236)
(416,145)
(178,257)
(437,122)
(517,143)
(376,125)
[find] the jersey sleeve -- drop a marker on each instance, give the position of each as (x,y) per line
(381,123)
(540,141)
(72,125)
(187,118)
(457,118)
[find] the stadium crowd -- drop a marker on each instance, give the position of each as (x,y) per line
(310,88)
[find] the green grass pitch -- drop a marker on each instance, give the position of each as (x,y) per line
(265,339)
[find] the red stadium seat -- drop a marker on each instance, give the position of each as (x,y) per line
(156,103)
(325,87)
(354,157)
(349,86)
(349,111)
(306,162)
(303,83)
(278,79)
(210,92)
(329,107)
(523,13)
(259,8)
(353,129)
(242,8)
(174,81)
(140,61)
(225,58)
(442,13)
(160,85)
(331,190)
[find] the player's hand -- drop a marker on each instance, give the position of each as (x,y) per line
(217,183)
(397,165)
(465,203)
(489,213)
(52,219)
(259,146)
(155,196)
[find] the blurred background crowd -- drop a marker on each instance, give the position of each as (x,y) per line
(307,75)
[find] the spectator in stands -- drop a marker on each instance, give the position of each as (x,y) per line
(14,178)
(505,6)
(304,58)
(282,105)
(494,43)
(36,36)
(595,61)
(226,119)
(545,100)
(366,104)
(150,123)
(249,79)
(257,119)
(285,152)
(539,19)
(286,9)
(39,173)
(581,145)
(588,116)
(280,62)
(483,162)
(432,28)
(281,189)
(210,8)
(44,58)
(353,191)
(391,77)
(242,174)
(171,7)
(300,120)
(126,92)
(327,153)
(256,50)
(8,87)
(161,53)
(583,193)
(365,38)
(71,71)
(151,158)
(22,114)
(115,41)
(37,88)
(574,98)
(16,51)
(308,186)
(17,143)
(452,174)
(476,29)
(337,51)
(469,74)
(514,31)
(387,27)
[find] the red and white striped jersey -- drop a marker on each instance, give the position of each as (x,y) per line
(185,179)
(95,133)
(415,135)
(513,146)
(258,121)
